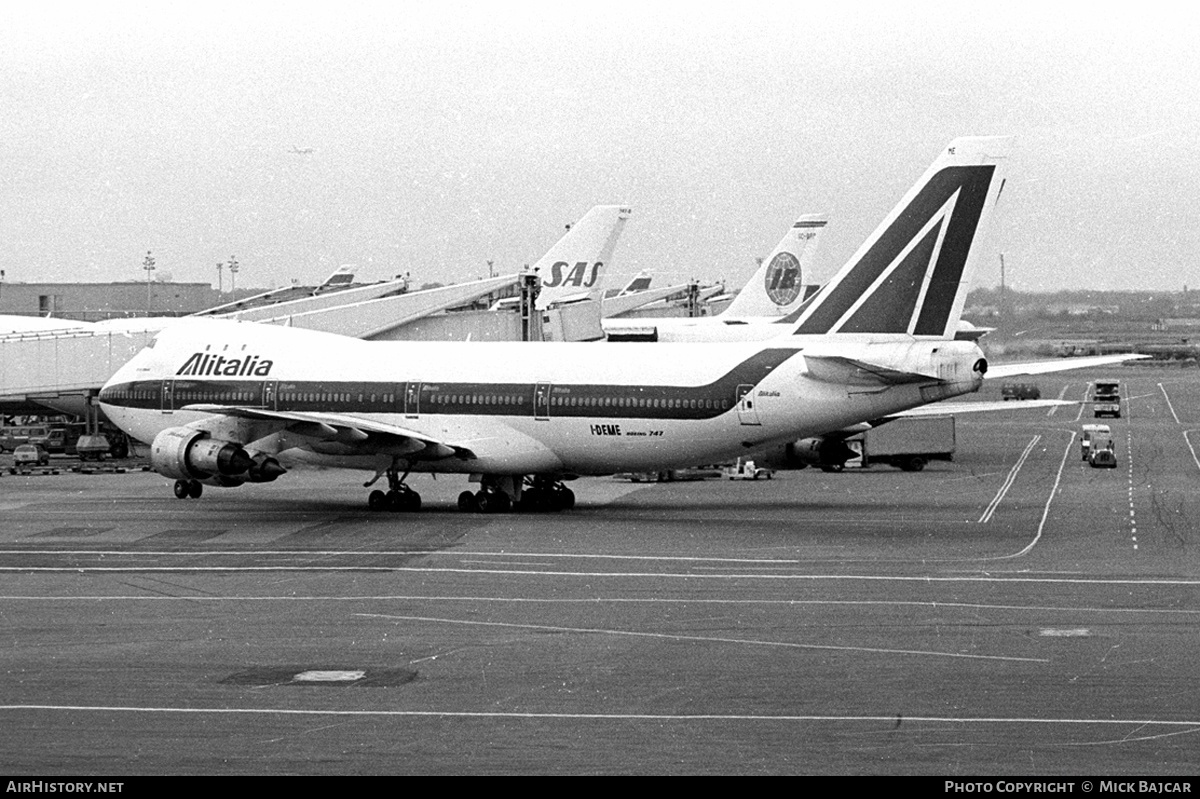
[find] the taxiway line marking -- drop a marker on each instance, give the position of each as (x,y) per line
(928,605)
(459,553)
(1012,477)
(1062,393)
(498,714)
(700,638)
(596,575)
(1083,402)
(1170,407)
(1045,510)
(1187,440)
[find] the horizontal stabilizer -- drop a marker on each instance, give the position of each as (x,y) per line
(849,371)
(1004,370)
(955,408)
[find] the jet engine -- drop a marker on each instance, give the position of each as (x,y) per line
(823,451)
(186,454)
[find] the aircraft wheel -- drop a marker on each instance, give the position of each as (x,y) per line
(565,498)
(412,501)
(395,500)
(499,502)
(832,467)
(181,489)
(467,503)
(483,503)
(531,500)
(914,464)
(195,489)
(377,500)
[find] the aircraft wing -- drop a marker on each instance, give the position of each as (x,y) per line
(346,434)
(1004,370)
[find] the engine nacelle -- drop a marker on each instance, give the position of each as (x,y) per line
(818,451)
(187,454)
(264,468)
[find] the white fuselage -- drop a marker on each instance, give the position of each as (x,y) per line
(514,408)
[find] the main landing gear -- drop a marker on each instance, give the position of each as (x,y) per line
(188,489)
(398,497)
(536,494)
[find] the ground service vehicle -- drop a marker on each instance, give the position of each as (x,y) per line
(908,443)
(1020,391)
(30,455)
(1095,437)
(13,436)
(745,469)
(1103,459)
(1106,398)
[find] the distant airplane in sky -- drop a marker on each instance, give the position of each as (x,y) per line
(301,150)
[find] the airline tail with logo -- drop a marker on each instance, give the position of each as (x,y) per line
(777,288)
(911,276)
(574,268)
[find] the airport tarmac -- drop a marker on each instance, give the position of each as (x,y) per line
(1014,612)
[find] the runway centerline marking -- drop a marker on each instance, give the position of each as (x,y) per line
(700,638)
(890,720)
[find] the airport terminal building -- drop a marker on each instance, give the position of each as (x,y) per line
(92,302)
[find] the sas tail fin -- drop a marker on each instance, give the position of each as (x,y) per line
(777,288)
(575,266)
(911,276)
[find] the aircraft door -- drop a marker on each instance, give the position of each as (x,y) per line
(412,399)
(541,401)
(747,413)
(270,392)
(168,396)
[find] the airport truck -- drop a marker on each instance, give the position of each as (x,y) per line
(1095,437)
(908,444)
(1106,398)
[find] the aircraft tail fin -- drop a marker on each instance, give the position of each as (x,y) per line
(340,278)
(574,268)
(911,276)
(777,288)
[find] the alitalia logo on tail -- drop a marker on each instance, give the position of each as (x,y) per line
(203,364)
(908,278)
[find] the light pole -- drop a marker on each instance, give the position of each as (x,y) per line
(148,265)
(233,270)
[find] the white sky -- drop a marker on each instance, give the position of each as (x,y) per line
(446,134)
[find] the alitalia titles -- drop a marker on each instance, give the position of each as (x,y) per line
(204,363)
